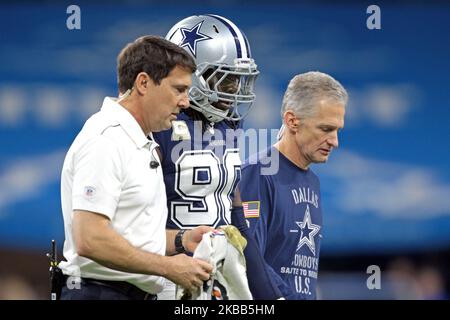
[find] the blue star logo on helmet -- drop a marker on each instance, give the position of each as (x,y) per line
(191,37)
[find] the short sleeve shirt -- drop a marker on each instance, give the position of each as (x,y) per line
(107,171)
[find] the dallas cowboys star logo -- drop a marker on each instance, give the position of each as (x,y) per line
(308,231)
(192,36)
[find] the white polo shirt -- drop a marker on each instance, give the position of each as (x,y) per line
(107,170)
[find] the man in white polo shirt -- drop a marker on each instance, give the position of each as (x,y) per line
(112,188)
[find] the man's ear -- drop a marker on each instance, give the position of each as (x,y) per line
(291,121)
(142,83)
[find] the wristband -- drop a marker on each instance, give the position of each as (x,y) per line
(179,241)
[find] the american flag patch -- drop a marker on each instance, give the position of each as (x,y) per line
(251,209)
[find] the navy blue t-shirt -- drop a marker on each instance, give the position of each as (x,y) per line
(284,212)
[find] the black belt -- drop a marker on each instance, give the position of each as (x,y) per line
(123,287)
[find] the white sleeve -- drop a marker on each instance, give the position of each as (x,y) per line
(97,172)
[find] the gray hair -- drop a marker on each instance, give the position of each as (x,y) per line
(306,89)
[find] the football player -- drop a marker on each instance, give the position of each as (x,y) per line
(200,155)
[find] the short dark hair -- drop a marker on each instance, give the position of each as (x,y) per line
(151,54)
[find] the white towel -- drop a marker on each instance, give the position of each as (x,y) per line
(223,249)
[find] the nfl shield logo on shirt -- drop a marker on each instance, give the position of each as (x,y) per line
(89,191)
(251,209)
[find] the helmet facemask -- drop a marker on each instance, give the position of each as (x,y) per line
(223,92)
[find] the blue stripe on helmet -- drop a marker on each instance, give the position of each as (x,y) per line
(236,39)
(246,44)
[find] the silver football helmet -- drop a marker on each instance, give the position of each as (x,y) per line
(222,86)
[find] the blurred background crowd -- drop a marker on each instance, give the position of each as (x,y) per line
(386,191)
